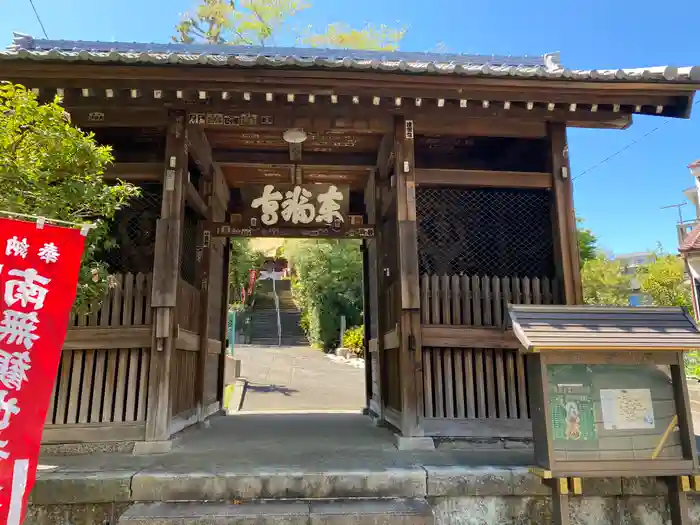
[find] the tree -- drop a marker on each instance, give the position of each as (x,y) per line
(664,281)
(243,259)
(54,170)
(327,285)
(257,22)
(604,282)
(587,242)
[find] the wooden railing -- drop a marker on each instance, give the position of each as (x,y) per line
(101,391)
(474,379)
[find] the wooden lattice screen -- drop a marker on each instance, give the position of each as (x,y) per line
(480,249)
(501,232)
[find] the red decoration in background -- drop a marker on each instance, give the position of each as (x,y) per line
(39,269)
(252,276)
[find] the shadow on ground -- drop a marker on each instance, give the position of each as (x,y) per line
(270,389)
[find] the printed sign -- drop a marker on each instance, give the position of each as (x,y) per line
(571,406)
(39,269)
(297,205)
(627,409)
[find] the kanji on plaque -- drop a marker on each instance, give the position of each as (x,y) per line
(296,205)
(39,269)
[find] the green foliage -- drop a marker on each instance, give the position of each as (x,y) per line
(338,35)
(54,170)
(664,281)
(587,243)
(604,282)
(257,22)
(327,284)
(354,339)
(243,258)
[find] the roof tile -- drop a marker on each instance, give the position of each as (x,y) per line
(554,327)
(25,47)
(691,242)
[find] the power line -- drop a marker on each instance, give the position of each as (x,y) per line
(38,18)
(606,159)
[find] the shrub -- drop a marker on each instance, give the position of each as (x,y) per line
(52,169)
(354,340)
(327,284)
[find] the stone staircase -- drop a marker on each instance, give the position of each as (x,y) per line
(390,511)
(264,316)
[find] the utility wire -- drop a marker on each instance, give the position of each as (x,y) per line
(38,18)
(636,141)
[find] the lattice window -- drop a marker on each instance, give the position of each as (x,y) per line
(134,231)
(497,232)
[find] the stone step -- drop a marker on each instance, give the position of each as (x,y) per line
(389,511)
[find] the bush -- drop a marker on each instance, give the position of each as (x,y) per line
(327,284)
(52,169)
(354,339)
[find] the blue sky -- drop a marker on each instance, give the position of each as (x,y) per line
(620,199)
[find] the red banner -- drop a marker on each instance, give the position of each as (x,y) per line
(39,269)
(252,276)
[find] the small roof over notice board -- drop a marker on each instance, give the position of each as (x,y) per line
(561,328)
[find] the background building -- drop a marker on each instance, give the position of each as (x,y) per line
(631,262)
(689,236)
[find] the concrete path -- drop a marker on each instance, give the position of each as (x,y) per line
(298,378)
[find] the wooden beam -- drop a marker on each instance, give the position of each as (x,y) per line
(199,148)
(135,171)
(102,115)
(455,336)
(281,158)
(320,80)
(189,341)
(88,338)
(369,118)
(196,201)
(483,178)
(348,231)
(384,154)
(478,428)
(93,433)
(391,339)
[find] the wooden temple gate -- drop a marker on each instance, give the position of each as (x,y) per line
(458,186)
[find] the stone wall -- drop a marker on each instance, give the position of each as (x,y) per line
(458,495)
(493,500)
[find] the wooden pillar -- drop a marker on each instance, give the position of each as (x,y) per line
(564,219)
(367,323)
(410,356)
(373,334)
(166,273)
(223,327)
(204,256)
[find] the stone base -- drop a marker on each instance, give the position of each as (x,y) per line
(82,449)
(414,443)
(145,448)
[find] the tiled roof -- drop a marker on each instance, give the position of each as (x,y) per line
(555,327)
(691,242)
(25,47)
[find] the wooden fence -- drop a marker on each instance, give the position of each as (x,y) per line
(101,391)
(472,371)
